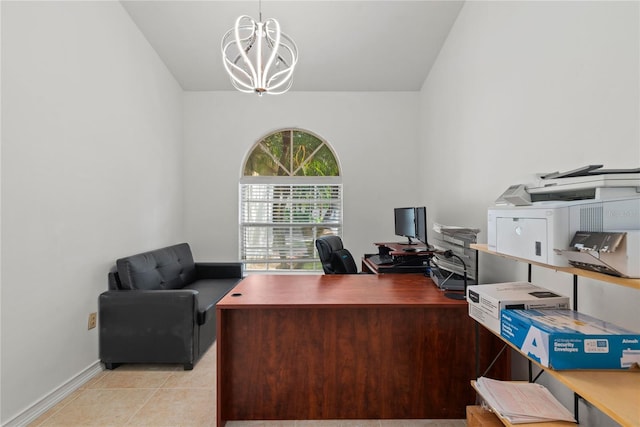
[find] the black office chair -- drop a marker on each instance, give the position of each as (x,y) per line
(334,257)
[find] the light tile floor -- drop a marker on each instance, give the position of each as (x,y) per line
(167,396)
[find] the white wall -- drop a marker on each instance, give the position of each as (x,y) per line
(527,87)
(91,171)
(373,134)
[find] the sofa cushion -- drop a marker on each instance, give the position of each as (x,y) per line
(167,268)
(210,291)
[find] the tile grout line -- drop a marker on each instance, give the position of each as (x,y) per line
(96,386)
(132,416)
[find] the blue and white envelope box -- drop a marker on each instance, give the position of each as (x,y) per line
(567,339)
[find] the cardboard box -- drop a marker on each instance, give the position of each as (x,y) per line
(567,339)
(477,416)
(486,301)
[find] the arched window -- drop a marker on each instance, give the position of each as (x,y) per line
(290,194)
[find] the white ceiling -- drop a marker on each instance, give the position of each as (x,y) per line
(359,45)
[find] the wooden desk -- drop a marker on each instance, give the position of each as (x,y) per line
(346,347)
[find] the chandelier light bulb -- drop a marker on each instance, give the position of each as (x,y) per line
(258,57)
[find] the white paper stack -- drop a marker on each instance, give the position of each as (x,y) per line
(521,402)
(457,240)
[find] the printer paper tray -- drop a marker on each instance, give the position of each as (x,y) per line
(588,261)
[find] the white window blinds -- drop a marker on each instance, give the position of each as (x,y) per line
(279,224)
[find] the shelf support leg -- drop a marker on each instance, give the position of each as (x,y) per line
(495,359)
(538,376)
(477,327)
(575,292)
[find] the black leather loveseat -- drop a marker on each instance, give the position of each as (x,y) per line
(160,307)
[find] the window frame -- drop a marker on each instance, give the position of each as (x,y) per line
(270,262)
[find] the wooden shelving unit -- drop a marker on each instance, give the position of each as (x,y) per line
(615,393)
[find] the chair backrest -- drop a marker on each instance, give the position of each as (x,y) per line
(334,257)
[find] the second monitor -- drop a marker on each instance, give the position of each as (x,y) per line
(411,222)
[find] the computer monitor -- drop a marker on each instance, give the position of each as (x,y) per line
(405,223)
(421,224)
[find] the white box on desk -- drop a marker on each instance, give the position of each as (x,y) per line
(567,339)
(486,301)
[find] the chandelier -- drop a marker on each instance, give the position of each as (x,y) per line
(258,56)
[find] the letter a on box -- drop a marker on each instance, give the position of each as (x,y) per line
(536,346)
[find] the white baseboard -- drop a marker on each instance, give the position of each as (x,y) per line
(56,396)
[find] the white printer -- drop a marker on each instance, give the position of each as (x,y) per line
(530,221)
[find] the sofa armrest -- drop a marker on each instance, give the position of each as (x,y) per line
(170,306)
(134,324)
(219,270)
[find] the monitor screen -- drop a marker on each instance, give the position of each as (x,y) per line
(421,224)
(405,223)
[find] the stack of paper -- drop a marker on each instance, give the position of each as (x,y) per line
(457,240)
(521,402)
(464,234)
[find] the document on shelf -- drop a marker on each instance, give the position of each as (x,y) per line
(454,229)
(521,402)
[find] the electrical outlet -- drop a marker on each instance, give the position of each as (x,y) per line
(93,320)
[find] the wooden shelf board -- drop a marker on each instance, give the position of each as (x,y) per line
(621,281)
(616,393)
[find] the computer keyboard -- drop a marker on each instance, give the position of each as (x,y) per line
(381,259)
